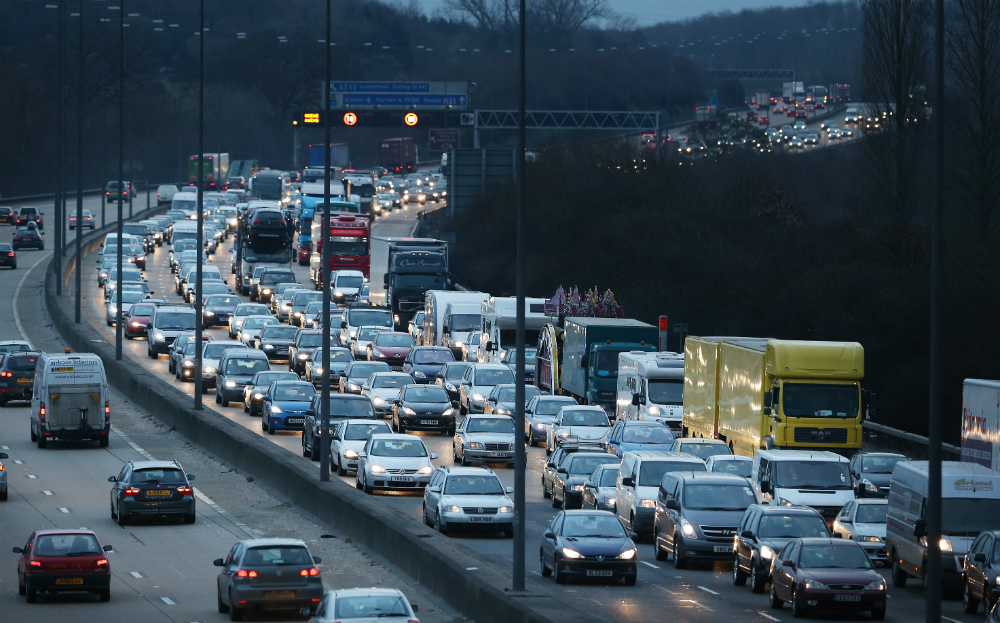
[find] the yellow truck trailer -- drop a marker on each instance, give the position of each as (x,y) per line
(766,393)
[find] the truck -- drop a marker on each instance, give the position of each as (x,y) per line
(704,116)
(350,243)
(763,393)
(651,387)
(787,91)
(398,154)
(403,270)
(216,169)
(499,326)
(340,156)
(450,316)
(981,422)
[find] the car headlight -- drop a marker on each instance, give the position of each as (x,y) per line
(318,370)
(877,585)
(426,469)
(450,387)
(104,275)
(945,544)
(766,552)
(817,585)
(257,395)
(338,293)
(419,375)
(350,454)
(477,396)
(628,554)
(449,412)
(209,313)
(869,486)
(869,539)
(266,291)
(377,469)
(475,445)
(353,387)
(378,400)
(459,344)
(354,334)
(502,411)
(688,529)
(286,307)
(453,509)
(188,364)
(268,347)
(158,337)
(649,504)
(506,509)
(114,309)
(541,425)
(654,411)
(563,433)
(576,488)
(276,409)
(298,314)
(136,324)
(209,370)
(303,356)
(610,501)
(571,553)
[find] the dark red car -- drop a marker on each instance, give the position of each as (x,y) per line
(55,561)
(305,254)
(826,574)
(391,347)
(137,320)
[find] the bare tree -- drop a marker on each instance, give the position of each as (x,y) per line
(973,60)
(499,16)
(559,18)
(893,68)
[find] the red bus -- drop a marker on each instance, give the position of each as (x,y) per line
(350,246)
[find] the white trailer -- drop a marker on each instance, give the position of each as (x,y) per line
(981,422)
(436,307)
(499,328)
(651,387)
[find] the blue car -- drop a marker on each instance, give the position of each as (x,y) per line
(588,544)
(424,362)
(628,435)
(284,405)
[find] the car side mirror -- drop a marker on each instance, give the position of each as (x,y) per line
(190,476)
(637,399)
(110,478)
(562,470)
(18,550)
(305,611)
(767,399)
(980,557)
(415,607)
(434,489)
(434,456)
(509,489)
(767,410)
(317,559)
(628,482)
(765,486)
(746,534)
(548,535)
(920,528)
(343,324)
(108,548)
(788,563)
(672,505)
(218,562)
(385,280)
(152,292)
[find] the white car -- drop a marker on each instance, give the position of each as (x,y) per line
(394,462)
(863,520)
(584,425)
(165,193)
(730,464)
(346,285)
(466,499)
(364,605)
(477,383)
(382,388)
(361,339)
(242,311)
(701,448)
(252,326)
(347,440)
(470,350)
(129,298)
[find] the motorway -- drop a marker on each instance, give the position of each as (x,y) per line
(701,594)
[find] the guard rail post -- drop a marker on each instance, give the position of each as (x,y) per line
(104,220)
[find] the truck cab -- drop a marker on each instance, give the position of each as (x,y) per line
(651,387)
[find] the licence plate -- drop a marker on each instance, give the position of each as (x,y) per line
(396,368)
(723,548)
(65,581)
(599,573)
(158,492)
(496,454)
(25,380)
(295,420)
(282,351)
(279,594)
(428,422)
(481,519)
(401,478)
(847,597)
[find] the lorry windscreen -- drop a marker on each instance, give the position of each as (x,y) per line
(969,517)
(814,475)
(465,322)
(666,391)
(606,363)
(348,245)
(422,282)
(265,188)
(818,400)
(508,340)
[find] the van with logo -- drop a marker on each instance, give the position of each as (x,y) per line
(970,495)
(70,400)
(818,479)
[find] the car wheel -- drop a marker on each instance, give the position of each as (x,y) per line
(263,422)
(556,503)
(462,410)
(30,596)
(969,603)
(105,594)
(739,578)
(630,580)
(190,519)
(400,428)
(439,525)
(680,562)
(559,576)
(234,613)
(776,602)
(270,429)
(221,397)
(545,492)
(104,441)
(20,588)
(151,354)
(305,450)
(658,552)
(899,576)
(314,451)
(246,409)
(758,578)
(798,608)
(3,496)
(454,455)
(878,614)
(340,469)
(451,432)
(218,398)
(365,487)
(121,518)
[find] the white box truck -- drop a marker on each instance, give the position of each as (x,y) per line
(436,306)
(70,399)
(651,387)
(500,326)
(980,422)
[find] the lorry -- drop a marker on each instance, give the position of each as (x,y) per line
(450,316)
(981,422)
(340,156)
(499,326)
(398,154)
(703,116)
(403,270)
(578,356)
(215,167)
(762,393)
(350,243)
(651,387)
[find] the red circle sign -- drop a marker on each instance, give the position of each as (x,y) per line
(411,119)
(350,118)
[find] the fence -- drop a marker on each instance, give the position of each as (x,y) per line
(912,445)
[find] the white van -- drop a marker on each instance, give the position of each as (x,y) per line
(820,480)
(436,305)
(639,483)
(127,238)
(70,399)
(970,496)
(651,387)
(499,328)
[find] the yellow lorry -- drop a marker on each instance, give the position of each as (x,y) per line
(760,393)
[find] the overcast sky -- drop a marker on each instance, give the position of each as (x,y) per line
(648,12)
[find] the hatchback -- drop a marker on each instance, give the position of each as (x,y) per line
(268,574)
(285,404)
(27,237)
(394,462)
(56,561)
(7,255)
(88,220)
(7,216)
(347,440)
(17,376)
(253,392)
(588,544)
(362,605)
(153,489)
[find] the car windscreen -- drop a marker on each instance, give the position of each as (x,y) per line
(364,370)
(833,557)
(718,497)
(456,372)
(705,450)
(369,317)
(276,277)
(225,302)
(498,425)
(393,340)
(584,463)
(276,556)
(311,340)
(66,545)
(812,475)
(880,464)
(740,468)
(666,391)
(422,357)
(494,376)
(609,476)
(349,281)
(251,309)
(584,417)
(385,381)
(398,448)
(13,348)
(604,525)
(799,525)
(300,299)
(266,378)
(370,607)
(426,394)
(651,472)
(214,350)
(871,513)
(129,297)
(295,393)
(551,406)
(351,409)
(247,366)
(357,432)
(174,321)
(20,363)
(142,310)
(257,323)
(279,332)
(337,355)
(367,333)
(473,485)
(160,476)
(647,435)
(530,356)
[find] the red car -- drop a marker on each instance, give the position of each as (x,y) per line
(392,347)
(826,574)
(137,320)
(55,561)
(305,254)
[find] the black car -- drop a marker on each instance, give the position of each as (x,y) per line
(568,481)
(152,488)
(555,460)
(342,407)
(218,308)
(982,568)
(7,216)
(420,407)
(450,378)
(588,544)
(7,255)
(269,279)
(872,473)
(302,347)
(268,225)
(424,362)
(17,376)
(29,214)
(763,532)
(28,237)
(253,392)
(275,340)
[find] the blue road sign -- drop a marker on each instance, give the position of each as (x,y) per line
(404,100)
(381,87)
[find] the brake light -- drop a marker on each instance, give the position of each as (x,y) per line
(252,574)
(41,411)
(34,564)
(107,411)
(309,572)
(242,573)
(103,562)
(1,468)
(256,222)
(184,490)
(6,374)
(131,491)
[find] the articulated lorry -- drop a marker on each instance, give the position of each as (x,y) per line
(215,167)
(403,270)
(761,393)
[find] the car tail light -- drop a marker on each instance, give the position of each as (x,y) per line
(185,490)
(102,564)
(130,492)
(252,574)
(34,565)
(256,221)
(309,572)
(242,573)
(41,412)
(6,374)
(1,468)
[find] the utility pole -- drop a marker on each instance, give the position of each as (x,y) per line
(199,328)
(121,178)
(79,180)
(324,432)
(59,146)
(519,449)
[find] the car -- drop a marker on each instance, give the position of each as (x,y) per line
(347,440)
(628,435)
(981,569)
(7,215)
(697,514)
(588,544)
(217,309)
(342,407)
(312,317)
(578,425)
(639,482)
(211,355)
(365,295)
(340,358)
(362,605)
(284,405)
(466,499)
(118,191)
(136,320)
(416,327)
(484,438)
(7,255)
(353,318)
(88,219)
(269,279)
(14,346)
(827,575)
(423,407)
(165,193)
(450,378)
(394,462)
(553,463)
(359,342)
(470,349)
(301,349)
(50,550)
(167,323)
(17,376)
(834,134)
(501,400)
(252,326)
(568,481)
(3,478)
(27,237)
(701,448)
(30,214)
(810,139)
(175,353)
(763,532)
(424,362)
(731,464)
(478,381)
(287,572)
(391,347)
(300,301)
(355,374)
(275,340)
(281,301)
(846,131)
(383,388)
(540,414)
(152,489)
(509,358)
(346,285)
(864,521)
(796,143)
(236,368)
(599,488)
(872,473)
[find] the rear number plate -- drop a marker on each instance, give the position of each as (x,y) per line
(158,492)
(295,420)
(496,454)
(481,519)
(847,597)
(64,581)
(279,594)
(25,380)
(428,422)
(600,573)
(401,478)
(723,548)
(396,368)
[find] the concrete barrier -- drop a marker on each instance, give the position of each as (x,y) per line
(437,563)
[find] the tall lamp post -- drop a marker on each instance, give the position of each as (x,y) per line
(324,435)
(59,140)
(121,177)
(79,181)
(519,449)
(198,325)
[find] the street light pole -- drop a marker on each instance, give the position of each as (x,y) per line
(59,145)
(79,180)
(519,447)
(324,271)
(121,178)
(198,325)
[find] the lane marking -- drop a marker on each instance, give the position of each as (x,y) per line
(771,618)
(47,493)
(138,575)
(168,601)
(65,510)
(17,293)
(708,590)
(952,620)
(472,568)
(18,462)
(32,476)
(649,564)
(4,447)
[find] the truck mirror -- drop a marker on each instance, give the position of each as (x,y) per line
(489,345)
(583,361)
(385,280)
(767,401)
(765,486)
(637,399)
(445,331)
(767,410)
(920,528)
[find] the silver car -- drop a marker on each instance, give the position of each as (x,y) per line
(252,326)
(240,314)
(362,339)
(347,441)
(382,388)
(129,298)
(484,438)
(599,489)
(580,425)
(394,462)
(468,498)
(268,574)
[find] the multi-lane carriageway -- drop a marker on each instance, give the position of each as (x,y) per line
(78,477)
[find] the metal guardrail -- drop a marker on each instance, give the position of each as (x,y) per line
(910,444)
(28,199)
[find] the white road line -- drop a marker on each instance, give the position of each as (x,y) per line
(32,476)
(135,574)
(17,292)
(649,564)
(168,601)
(47,493)
(472,568)
(952,620)
(18,462)
(64,510)
(4,447)
(769,617)
(708,590)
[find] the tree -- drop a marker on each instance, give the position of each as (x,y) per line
(558,20)
(894,60)
(973,61)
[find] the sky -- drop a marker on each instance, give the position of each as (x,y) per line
(649,12)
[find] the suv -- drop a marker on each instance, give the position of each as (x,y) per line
(697,515)
(639,482)
(113,191)
(468,498)
(268,280)
(157,488)
(167,323)
(236,368)
(29,214)
(268,225)
(763,532)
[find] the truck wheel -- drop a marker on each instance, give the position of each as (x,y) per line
(899,576)
(104,441)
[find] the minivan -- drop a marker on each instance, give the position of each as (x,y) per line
(639,481)
(70,399)
(818,479)
(167,323)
